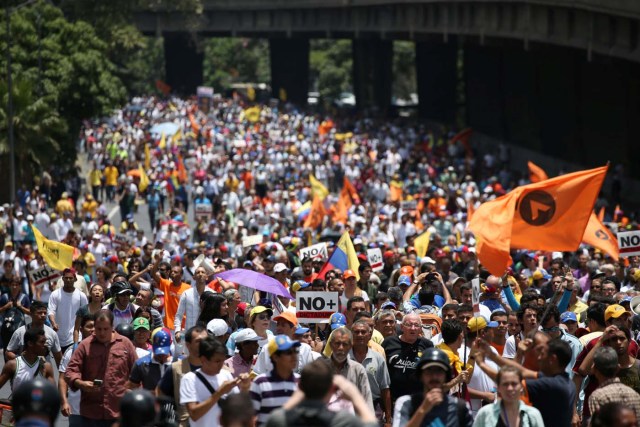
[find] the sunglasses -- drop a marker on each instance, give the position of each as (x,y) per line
(263,316)
(552,329)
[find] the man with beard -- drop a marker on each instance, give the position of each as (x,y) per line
(341,343)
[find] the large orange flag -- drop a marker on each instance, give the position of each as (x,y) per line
(316,214)
(550,215)
(348,195)
(536,174)
(599,236)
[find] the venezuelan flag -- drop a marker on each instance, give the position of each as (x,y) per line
(344,257)
(303,211)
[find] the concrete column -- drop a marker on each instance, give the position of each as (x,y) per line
(290,69)
(373,73)
(437,77)
(183,63)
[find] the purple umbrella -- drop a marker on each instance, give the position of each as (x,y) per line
(253,279)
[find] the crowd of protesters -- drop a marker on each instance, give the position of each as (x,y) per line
(551,342)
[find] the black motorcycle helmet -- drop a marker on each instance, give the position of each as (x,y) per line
(435,357)
(36,397)
(138,409)
(126,330)
(120,287)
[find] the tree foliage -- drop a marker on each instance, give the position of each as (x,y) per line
(236,60)
(330,66)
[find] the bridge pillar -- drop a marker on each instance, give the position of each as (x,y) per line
(436,71)
(290,69)
(372,73)
(183,63)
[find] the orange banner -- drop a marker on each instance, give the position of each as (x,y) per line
(316,214)
(599,236)
(550,215)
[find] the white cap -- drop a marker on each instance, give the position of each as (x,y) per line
(556,255)
(96,237)
(279,267)
(246,334)
(217,327)
(427,260)
(29,217)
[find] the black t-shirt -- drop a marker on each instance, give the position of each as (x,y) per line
(553,396)
(402,359)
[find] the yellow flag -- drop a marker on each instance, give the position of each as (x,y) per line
(144,179)
(421,243)
(163,141)
(147,157)
(317,188)
(58,255)
(176,136)
(252,114)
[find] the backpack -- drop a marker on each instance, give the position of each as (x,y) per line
(461,407)
(13,319)
(431,325)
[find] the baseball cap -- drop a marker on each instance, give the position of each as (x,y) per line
(217,327)
(246,334)
(596,274)
(357,241)
(299,284)
(141,323)
(96,237)
(279,267)
(301,331)
(337,320)
(615,311)
(29,217)
(476,324)
(260,309)
(281,343)
(69,270)
(348,274)
(8,243)
(388,304)
(463,249)
(427,260)
(161,342)
(407,270)
(568,316)
(387,254)
(288,316)
(270,258)
(404,280)
(241,308)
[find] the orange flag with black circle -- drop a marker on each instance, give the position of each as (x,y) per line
(550,215)
(536,174)
(599,236)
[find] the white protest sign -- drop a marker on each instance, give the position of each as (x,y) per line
(375,259)
(43,275)
(316,307)
(408,205)
(475,296)
(203,210)
(629,243)
(122,239)
(319,250)
(256,239)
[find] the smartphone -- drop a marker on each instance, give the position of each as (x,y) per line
(97,383)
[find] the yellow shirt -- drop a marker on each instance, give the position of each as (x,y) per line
(90,207)
(111,175)
(95,178)
(63,205)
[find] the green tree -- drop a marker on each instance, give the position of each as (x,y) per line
(38,129)
(404,69)
(330,67)
(234,60)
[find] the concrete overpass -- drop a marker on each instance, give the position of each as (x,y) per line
(559,76)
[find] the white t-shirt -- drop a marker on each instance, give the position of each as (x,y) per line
(482,382)
(63,306)
(72,396)
(510,347)
(193,390)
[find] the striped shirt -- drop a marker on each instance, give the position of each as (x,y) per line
(269,392)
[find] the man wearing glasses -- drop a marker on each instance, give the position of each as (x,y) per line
(551,326)
(403,353)
(272,390)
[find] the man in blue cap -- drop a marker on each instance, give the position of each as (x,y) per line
(278,385)
(148,370)
(570,320)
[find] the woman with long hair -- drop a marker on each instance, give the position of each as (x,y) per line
(103,277)
(96,301)
(213,306)
(509,410)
